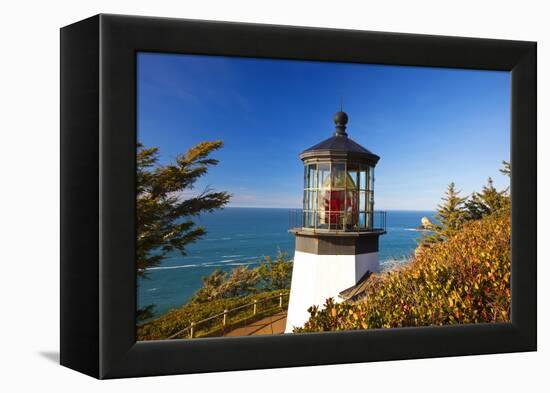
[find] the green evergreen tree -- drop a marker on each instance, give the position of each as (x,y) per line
(450,216)
(164,216)
(488,201)
(506,168)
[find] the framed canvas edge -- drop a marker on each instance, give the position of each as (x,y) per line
(121,37)
(79,192)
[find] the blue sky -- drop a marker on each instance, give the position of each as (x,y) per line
(430,126)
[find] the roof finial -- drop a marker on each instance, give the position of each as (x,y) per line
(340,119)
(341,103)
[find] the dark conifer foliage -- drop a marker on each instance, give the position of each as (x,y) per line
(164,214)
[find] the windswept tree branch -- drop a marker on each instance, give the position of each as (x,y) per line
(163,220)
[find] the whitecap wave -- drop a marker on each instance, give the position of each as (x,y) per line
(172,267)
(223,262)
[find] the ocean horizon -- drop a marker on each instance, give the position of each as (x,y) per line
(237,236)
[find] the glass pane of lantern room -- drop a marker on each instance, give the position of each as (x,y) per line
(336,221)
(337,200)
(323,208)
(370,201)
(311,219)
(362,223)
(323,200)
(369,216)
(338,175)
(351,212)
(322,220)
(363,179)
(312,200)
(371,178)
(311,176)
(370,209)
(351,179)
(304,210)
(362,201)
(323,175)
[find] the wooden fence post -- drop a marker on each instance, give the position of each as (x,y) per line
(255,303)
(280,300)
(191,330)
(224,317)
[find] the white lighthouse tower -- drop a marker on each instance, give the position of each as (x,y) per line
(337,242)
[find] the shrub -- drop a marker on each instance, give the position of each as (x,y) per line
(180,318)
(465,279)
(241,281)
(269,275)
(275,273)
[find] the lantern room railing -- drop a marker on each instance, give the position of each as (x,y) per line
(378,220)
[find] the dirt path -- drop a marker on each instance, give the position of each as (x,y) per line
(274,324)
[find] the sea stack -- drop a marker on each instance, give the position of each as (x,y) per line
(337,242)
(426,224)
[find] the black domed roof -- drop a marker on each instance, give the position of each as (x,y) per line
(340,145)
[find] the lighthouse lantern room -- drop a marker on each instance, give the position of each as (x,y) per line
(337,240)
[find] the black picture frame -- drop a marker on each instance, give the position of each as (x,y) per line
(98,147)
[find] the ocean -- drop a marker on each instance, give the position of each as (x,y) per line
(242,236)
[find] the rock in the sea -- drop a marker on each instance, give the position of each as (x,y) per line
(426,223)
